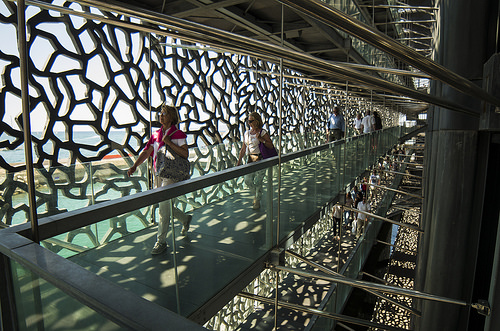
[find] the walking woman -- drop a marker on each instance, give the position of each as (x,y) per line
(251,140)
(174,138)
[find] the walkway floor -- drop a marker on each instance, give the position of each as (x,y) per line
(225,238)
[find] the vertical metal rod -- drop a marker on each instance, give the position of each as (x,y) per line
(279,152)
(174,253)
(383,105)
(371,101)
(497,34)
(270,209)
(341,222)
(373,12)
(279,167)
(150,163)
(28,155)
(91,175)
(304,107)
(345,128)
(92,188)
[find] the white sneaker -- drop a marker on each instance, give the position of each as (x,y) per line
(185,228)
(158,248)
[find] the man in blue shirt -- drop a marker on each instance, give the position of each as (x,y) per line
(336,126)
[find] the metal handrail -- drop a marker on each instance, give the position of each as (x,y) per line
(395,246)
(369,285)
(412,227)
(397,191)
(405,209)
(409,163)
(315,311)
(401,173)
(331,272)
(339,20)
(405,155)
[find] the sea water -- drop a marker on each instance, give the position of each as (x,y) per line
(89,138)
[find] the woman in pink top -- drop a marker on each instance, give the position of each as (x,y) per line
(169,118)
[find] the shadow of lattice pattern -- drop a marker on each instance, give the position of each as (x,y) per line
(402,263)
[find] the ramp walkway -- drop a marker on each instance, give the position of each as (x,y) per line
(226,247)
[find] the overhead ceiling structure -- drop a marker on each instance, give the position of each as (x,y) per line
(273,22)
(411,22)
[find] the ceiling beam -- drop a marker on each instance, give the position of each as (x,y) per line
(202,9)
(405,21)
(245,21)
(337,19)
(334,36)
(421,8)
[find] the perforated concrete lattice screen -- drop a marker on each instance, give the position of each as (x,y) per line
(95,87)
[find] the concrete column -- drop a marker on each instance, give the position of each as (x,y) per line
(449,246)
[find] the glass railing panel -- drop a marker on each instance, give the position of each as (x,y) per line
(224,225)
(307,184)
(342,292)
(351,161)
(101,233)
(355,263)
(227,233)
(341,165)
(93,183)
(383,140)
(362,152)
(213,158)
(67,188)
(110,181)
(42,306)
(297,191)
(329,173)
(359,156)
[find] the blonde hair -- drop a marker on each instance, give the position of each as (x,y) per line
(172,111)
(257,118)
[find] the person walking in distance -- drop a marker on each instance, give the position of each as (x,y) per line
(362,218)
(251,140)
(336,126)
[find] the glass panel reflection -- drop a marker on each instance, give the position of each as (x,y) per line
(42,306)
